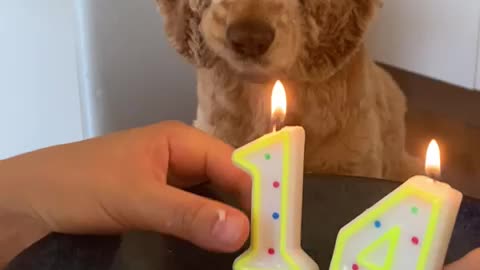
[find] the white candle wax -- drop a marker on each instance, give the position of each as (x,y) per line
(409,229)
(275,162)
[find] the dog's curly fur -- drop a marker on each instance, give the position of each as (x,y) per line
(352,110)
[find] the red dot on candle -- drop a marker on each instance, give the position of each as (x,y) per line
(271,251)
(355,267)
(415,240)
(276,184)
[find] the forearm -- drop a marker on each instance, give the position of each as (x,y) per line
(17,230)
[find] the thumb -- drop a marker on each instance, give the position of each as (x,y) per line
(470,262)
(206,223)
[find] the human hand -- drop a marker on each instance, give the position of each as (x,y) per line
(121,182)
(470,262)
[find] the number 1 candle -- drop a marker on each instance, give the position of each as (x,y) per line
(409,229)
(275,163)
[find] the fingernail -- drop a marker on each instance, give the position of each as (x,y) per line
(228,229)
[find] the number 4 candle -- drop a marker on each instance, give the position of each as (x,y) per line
(409,229)
(275,162)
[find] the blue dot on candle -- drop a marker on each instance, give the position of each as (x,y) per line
(276,216)
(378,224)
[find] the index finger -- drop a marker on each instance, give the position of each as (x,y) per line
(195,154)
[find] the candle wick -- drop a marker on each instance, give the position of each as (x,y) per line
(277,120)
(275,127)
(436,176)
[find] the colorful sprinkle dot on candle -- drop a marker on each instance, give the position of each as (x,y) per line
(268,156)
(275,215)
(414,210)
(415,240)
(276,184)
(355,267)
(378,224)
(271,251)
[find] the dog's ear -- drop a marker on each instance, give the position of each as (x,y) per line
(182,25)
(333,32)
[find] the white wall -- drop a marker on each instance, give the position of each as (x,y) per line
(130,75)
(435,38)
(39,100)
(477,84)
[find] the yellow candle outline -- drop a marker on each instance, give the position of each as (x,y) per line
(240,159)
(383,206)
(392,235)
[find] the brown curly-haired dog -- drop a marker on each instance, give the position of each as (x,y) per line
(351,109)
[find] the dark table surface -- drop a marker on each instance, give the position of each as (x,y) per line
(330,202)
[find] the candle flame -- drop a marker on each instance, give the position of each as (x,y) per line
(279,99)
(279,104)
(432,161)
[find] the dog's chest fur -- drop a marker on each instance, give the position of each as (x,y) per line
(342,128)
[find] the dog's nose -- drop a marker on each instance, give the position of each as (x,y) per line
(250,38)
